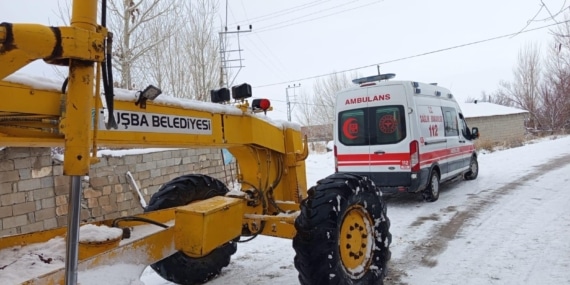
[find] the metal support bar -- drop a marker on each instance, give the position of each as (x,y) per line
(73,217)
(75,124)
(79,101)
(133,184)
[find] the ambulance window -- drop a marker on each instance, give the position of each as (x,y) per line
(450,122)
(352,127)
(464,128)
(389,125)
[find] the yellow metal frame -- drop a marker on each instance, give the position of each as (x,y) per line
(270,158)
(142,251)
(216,221)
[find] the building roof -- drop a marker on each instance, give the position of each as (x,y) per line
(486,109)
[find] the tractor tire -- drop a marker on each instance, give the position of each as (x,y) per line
(179,267)
(473,169)
(343,233)
(431,193)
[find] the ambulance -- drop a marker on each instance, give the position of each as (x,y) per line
(406,136)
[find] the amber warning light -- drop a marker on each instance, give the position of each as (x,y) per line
(259,105)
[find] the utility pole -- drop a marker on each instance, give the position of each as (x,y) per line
(226,62)
(289,109)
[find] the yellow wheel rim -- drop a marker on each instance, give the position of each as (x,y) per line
(356,240)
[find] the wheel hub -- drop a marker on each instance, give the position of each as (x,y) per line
(434,186)
(356,239)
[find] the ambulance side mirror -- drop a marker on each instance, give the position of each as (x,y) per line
(474,133)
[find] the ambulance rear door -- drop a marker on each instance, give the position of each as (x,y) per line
(389,135)
(351,131)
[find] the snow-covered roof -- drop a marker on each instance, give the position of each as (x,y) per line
(486,109)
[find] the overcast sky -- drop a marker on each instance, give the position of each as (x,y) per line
(293,40)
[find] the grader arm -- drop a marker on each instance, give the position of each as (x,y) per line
(44,113)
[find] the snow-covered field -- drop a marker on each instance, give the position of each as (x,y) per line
(510,226)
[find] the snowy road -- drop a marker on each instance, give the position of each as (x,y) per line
(514,239)
(510,226)
(505,231)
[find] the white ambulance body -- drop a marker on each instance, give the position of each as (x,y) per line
(406,136)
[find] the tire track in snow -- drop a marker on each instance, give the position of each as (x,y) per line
(425,252)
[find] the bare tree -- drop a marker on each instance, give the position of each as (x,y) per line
(186,65)
(555,112)
(324,99)
(527,78)
(523,92)
(129,20)
(555,92)
(317,111)
(168,63)
(203,48)
(499,97)
(170,43)
(305,106)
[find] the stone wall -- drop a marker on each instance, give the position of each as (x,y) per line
(34,192)
(499,129)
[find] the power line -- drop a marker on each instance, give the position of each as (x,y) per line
(280,67)
(268,61)
(279,13)
(548,10)
(533,18)
(288,21)
(286,24)
(413,56)
(552,17)
(268,28)
(298,103)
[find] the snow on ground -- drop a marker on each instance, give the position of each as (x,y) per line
(510,226)
(265,260)
(517,241)
(511,223)
(94,233)
(41,258)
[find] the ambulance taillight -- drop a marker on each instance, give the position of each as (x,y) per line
(415,156)
(335,160)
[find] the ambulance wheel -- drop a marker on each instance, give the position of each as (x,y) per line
(473,169)
(343,233)
(179,267)
(431,193)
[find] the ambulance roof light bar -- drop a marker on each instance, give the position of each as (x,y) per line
(379,77)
